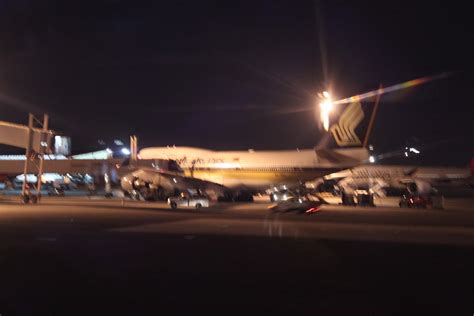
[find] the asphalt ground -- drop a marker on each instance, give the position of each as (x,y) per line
(91,256)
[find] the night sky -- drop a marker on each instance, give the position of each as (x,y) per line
(237,74)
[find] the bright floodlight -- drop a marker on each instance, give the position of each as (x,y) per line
(125,151)
(371,159)
(325,108)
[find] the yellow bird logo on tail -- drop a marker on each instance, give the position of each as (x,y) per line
(344,131)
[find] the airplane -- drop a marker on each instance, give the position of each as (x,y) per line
(244,173)
(382,179)
(257,170)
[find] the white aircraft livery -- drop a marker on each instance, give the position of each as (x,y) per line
(259,170)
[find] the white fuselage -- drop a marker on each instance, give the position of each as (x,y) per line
(257,169)
(402,172)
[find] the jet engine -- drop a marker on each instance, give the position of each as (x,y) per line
(147,185)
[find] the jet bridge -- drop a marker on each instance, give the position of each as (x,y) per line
(35,140)
(19,136)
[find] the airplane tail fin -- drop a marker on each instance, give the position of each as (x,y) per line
(350,126)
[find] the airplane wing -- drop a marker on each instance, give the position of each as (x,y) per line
(171,181)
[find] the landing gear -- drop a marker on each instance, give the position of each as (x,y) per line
(134,195)
(160,194)
(146,193)
(347,199)
(243,197)
(227,197)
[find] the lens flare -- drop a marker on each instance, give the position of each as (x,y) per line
(404,85)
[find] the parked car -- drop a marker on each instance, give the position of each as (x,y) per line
(195,201)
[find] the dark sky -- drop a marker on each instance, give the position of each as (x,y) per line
(230,74)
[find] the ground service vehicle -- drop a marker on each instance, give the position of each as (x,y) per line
(415,201)
(196,201)
(302,204)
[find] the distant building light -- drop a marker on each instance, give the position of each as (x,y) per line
(371,159)
(125,151)
(12,157)
(58,140)
(62,145)
(414,150)
(406,154)
(109,151)
(118,142)
(371,147)
(22,157)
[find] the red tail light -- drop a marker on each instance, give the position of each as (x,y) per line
(312,210)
